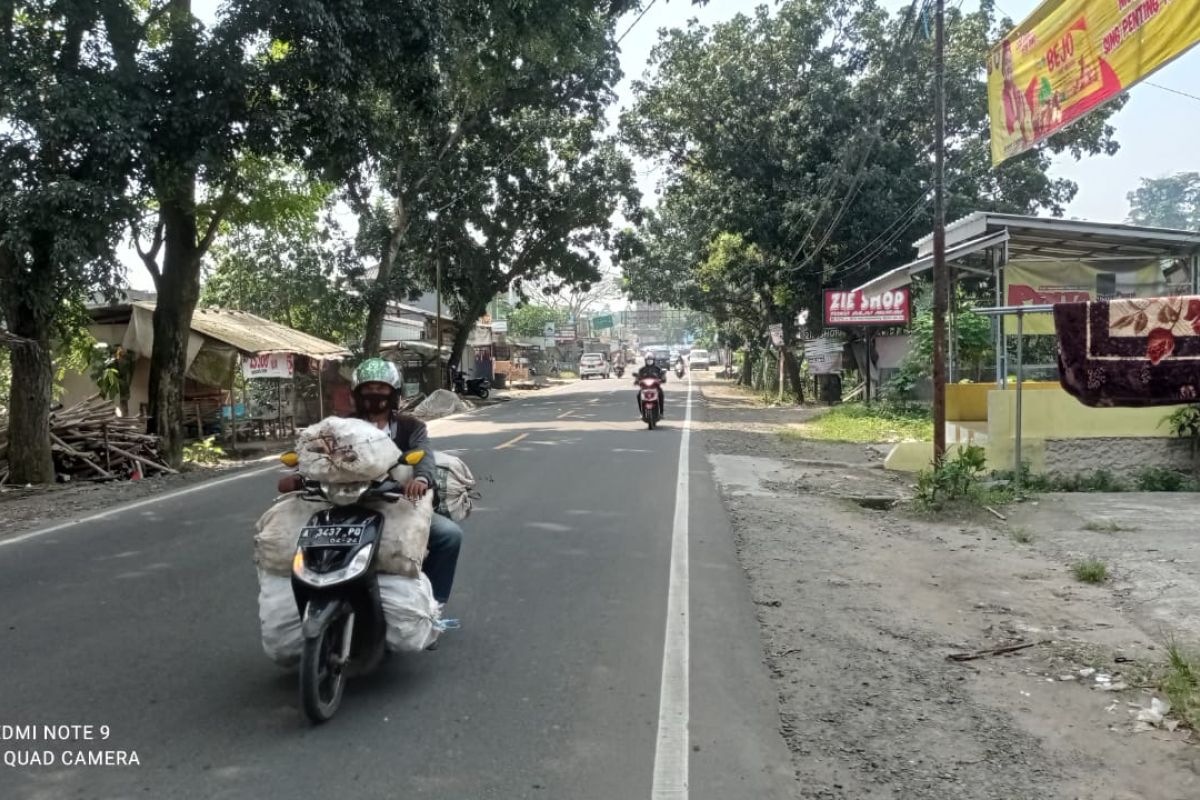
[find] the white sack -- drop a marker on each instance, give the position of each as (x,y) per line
(440,404)
(405,535)
(410,611)
(279,619)
(456,486)
(279,530)
(345,451)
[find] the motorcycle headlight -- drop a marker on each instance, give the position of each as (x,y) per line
(343,494)
(356,567)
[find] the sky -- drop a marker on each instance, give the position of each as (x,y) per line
(1152,129)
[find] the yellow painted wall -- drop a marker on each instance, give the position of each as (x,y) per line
(968,402)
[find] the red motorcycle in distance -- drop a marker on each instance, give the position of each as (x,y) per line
(649,397)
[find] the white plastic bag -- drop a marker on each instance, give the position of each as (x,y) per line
(441,403)
(411,613)
(279,530)
(345,451)
(456,486)
(279,619)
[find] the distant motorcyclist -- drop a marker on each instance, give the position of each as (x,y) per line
(652,370)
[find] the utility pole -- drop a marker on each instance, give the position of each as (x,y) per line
(940,277)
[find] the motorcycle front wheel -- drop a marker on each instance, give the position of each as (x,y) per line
(483,394)
(322,678)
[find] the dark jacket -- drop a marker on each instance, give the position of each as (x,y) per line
(648,371)
(411,434)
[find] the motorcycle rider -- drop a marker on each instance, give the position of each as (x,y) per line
(375,386)
(652,370)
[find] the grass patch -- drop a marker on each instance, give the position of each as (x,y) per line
(855,422)
(1149,479)
(203,451)
(1090,570)
(1181,683)
(567,374)
(1021,535)
(1106,526)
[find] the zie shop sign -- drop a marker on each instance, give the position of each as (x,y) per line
(268,365)
(855,308)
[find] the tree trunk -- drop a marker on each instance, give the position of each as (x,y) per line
(746,376)
(178,293)
(30,459)
(463,328)
(791,368)
(379,294)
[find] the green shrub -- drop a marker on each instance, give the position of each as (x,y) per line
(956,479)
(204,451)
(1090,570)
(1161,479)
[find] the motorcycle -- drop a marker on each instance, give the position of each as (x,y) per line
(336,590)
(679,370)
(619,370)
(649,393)
(479,387)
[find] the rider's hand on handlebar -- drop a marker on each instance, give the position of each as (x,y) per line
(415,489)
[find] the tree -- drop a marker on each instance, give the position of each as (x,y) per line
(292,271)
(1169,202)
(65,152)
(531,320)
(494,69)
(797,146)
(579,299)
(537,196)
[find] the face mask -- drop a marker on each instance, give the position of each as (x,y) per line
(372,403)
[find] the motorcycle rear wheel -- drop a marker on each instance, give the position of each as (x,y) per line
(483,394)
(322,680)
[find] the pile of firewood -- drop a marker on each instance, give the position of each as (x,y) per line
(90,442)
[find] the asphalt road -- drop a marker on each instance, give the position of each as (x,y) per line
(146,622)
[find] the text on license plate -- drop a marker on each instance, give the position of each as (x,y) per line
(334,534)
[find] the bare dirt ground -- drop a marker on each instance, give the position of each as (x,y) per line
(860,608)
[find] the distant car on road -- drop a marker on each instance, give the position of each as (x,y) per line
(698,360)
(593,365)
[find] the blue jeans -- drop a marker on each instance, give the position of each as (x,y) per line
(445,539)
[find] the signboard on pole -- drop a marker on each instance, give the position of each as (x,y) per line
(1069,57)
(268,365)
(853,307)
(603,321)
(565,334)
(776,334)
(1051,282)
(824,356)
(499,326)
(548,330)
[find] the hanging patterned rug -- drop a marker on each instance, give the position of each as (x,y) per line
(1130,352)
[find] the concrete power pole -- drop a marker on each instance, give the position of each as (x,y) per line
(941,278)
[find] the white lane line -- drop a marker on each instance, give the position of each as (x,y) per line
(510,442)
(671,749)
(158,498)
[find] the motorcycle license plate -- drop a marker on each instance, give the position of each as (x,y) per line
(650,396)
(332,534)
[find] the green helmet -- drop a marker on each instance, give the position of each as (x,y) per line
(376,370)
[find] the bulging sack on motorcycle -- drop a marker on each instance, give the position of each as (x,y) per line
(278,531)
(279,620)
(456,486)
(410,612)
(345,451)
(405,535)
(401,547)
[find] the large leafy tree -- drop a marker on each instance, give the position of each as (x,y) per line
(533,203)
(498,75)
(1172,201)
(798,149)
(65,152)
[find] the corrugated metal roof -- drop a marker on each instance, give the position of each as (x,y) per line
(252,334)
(1068,239)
